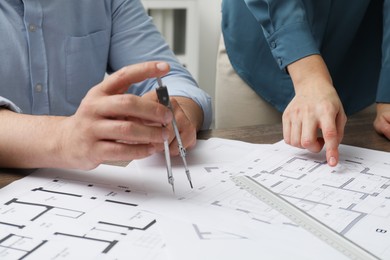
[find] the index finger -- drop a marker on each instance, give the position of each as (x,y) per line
(119,82)
(332,140)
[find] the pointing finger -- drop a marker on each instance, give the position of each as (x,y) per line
(331,138)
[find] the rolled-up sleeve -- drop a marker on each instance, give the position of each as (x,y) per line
(176,86)
(7,104)
(383,93)
(285,28)
(135,39)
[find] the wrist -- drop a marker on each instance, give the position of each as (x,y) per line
(192,110)
(56,143)
(309,71)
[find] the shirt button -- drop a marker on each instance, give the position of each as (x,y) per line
(32,28)
(280,61)
(38,87)
(273,45)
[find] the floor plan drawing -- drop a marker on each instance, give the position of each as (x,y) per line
(214,194)
(131,212)
(352,198)
(71,219)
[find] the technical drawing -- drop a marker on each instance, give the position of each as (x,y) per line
(352,198)
(70,219)
(211,235)
(18,247)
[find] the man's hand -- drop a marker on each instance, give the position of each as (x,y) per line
(382,120)
(189,119)
(110,125)
(316,105)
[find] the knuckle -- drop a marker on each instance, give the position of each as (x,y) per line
(296,112)
(344,118)
(329,133)
(306,142)
(295,143)
(285,116)
(117,150)
(87,106)
(127,100)
(90,166)
(328,108)
(147,68)
(126,128)
(192,141)
(92,162)
(121,73)
(286,136)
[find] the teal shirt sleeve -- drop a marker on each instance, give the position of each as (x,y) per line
(262,37)
(383,92)
(284,23)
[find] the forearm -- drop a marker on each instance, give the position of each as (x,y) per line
(29,141)
(308,71)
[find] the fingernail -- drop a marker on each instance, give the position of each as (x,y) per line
(165,134)
(162,66)
(332,161)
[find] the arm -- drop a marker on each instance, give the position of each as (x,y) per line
(283,23)
(108,126)
(135,39)
(316,104)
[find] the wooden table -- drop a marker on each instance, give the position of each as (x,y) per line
(358,132)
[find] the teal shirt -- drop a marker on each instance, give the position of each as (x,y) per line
(262,37)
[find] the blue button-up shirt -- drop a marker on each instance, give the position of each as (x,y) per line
(262,37)
(53,52)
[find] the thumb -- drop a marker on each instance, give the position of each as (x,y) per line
(120,81)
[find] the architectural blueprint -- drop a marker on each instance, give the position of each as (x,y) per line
(220,220)
(123,213)
(352,198)
(47,216)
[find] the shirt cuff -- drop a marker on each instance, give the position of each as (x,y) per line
(291,43)
(5,103)
(186,88)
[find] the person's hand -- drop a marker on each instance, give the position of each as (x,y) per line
(382,120)
(189,118)
(316,105)
(112,126)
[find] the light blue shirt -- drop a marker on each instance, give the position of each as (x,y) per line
(263,37)
(53,52)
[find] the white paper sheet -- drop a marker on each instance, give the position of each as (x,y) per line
(122,213)
(52,215)
(353,198)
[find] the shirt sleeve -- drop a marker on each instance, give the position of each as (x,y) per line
(5,103)
(285,28)
(135,39)
(383,93)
